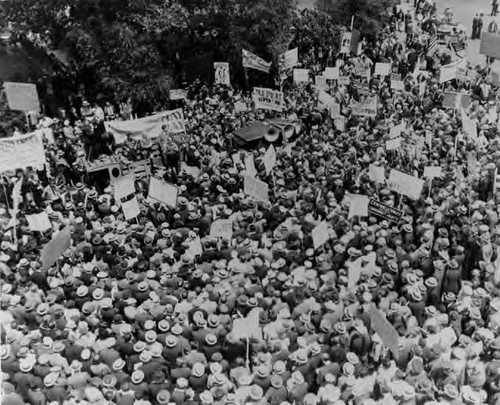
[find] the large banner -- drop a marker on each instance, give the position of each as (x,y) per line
(252,61)
(268,99)
(490,44)
(222,73)
(22,96)
(21,152)
(147,127)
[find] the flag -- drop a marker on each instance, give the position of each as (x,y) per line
(433,43)
(253,61)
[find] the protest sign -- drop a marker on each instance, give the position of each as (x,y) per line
(269,159)
(194,247)
(385,330)
(376,173)
(340,123)
(397,85)
(367,108)
(131,208)
(384,211)
(222,228)
(268,99)
(163,192)
(147,127)
(469,126)
(382,69)
(396,130)
(252,61)
(393,144)
(320,83)
(256,188)
(335,110)
(240,106)
(344,80)
(421,89)
(178,94)
(250,165)
(405,184)
(328,101)
(495,78)
(222,73)
(320,234)
(56,247)
(39,222)
(300,76)
(490,44)
(190,170)
(21,152)
(124,186)
(451,100)
(22,96)
(331,73)
(358,206)
(345,45)
(448,72)
(353,273)
(246,328)
(289,59)
(431,172)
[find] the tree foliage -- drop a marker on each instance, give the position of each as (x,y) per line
(119,43)
(368,15)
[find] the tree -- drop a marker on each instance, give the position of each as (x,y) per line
(117,44)
(369,15)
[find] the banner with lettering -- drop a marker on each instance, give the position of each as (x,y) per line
(147,127)
(268,99)
(21,152)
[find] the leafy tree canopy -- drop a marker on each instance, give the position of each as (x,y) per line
(368,15)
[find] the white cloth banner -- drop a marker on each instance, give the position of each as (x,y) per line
(21,152)
(147,127)
(405,184)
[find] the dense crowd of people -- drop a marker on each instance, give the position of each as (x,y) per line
(133,314)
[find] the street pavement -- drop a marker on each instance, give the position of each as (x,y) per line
(464,11)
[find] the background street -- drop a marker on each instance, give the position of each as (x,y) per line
(464,11)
